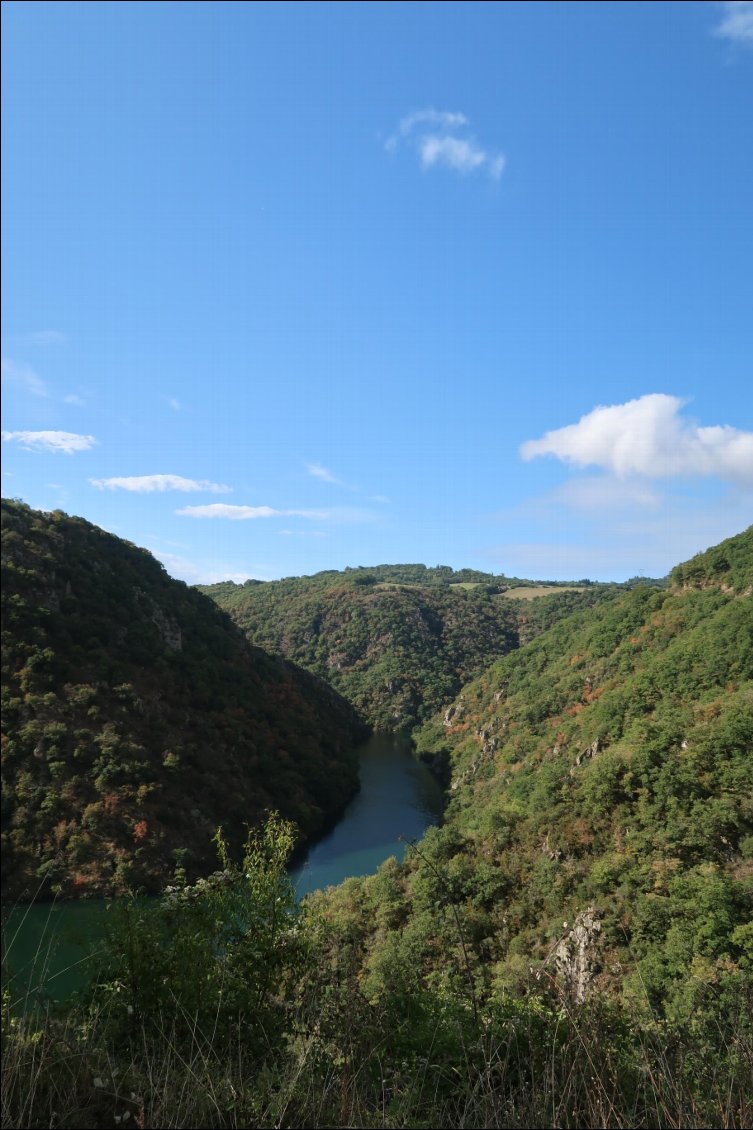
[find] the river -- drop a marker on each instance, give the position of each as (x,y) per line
(48,944)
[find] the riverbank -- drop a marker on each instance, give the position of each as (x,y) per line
(47,945)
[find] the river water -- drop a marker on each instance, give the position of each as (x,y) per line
(48,945)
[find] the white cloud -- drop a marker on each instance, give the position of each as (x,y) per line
(444,119)
(454,152)
(23,376)
(440,138)
(174,403)
(226,510)
(72,398)
(319,472)
(736,22)
(65,442)
(647,437)
(336,514)
(147,484)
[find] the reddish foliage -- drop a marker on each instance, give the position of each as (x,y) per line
(140,831)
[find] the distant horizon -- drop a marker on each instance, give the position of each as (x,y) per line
(376,565)
(292,286)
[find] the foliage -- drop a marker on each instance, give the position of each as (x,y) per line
(136,719)
(601,797)
(398,641)
(211,955)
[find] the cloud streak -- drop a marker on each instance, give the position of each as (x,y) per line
(148,484)
(235,513)
(648,437)
(441,139)
(736,22)
(67,443)
(246,513)
(317,471)
(23,376)
(44,337)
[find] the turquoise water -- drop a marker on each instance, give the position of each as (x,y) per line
(399,797)
(49,946)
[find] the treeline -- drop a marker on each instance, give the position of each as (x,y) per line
(398,641)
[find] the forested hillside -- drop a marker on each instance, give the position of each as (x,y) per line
(136,718)
(398,641)
(600,826)
(573,947)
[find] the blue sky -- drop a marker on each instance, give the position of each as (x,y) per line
(292,287)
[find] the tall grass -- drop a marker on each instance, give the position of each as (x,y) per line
(579,1069)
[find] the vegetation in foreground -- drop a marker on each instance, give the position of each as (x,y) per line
(227,1005)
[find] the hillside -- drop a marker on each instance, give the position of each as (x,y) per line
(136,718)
(572,948)
(600,826)
(398,641)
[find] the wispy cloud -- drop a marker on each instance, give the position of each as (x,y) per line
(238,513)
(148,484)
(736,22)
(439,119)
(624,542)
(303,533)
(441,139)
(592,493)
(174,403)
(335,514)
(15,374)
(317,471)
(66,442)
(196,573)
(648,437)
(43,337)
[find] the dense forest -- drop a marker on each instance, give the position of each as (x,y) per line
(136,719)
(606,765)
(398,641)
(572,946)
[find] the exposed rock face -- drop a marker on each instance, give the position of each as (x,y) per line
(586,755)
(576,957)
(452,714)
(167,628)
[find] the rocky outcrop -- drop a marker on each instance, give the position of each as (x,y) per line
(576,956)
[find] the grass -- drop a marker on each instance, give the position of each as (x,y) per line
(581,1071)
(531,592)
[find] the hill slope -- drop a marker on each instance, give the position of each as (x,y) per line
(137,719)
(398,641)
(600,776)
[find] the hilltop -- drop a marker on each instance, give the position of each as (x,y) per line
(137,719)
(398,641)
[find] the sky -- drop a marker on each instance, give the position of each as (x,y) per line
(291,287)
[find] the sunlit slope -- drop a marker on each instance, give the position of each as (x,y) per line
(607,765)
(136,718)
(398,641)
